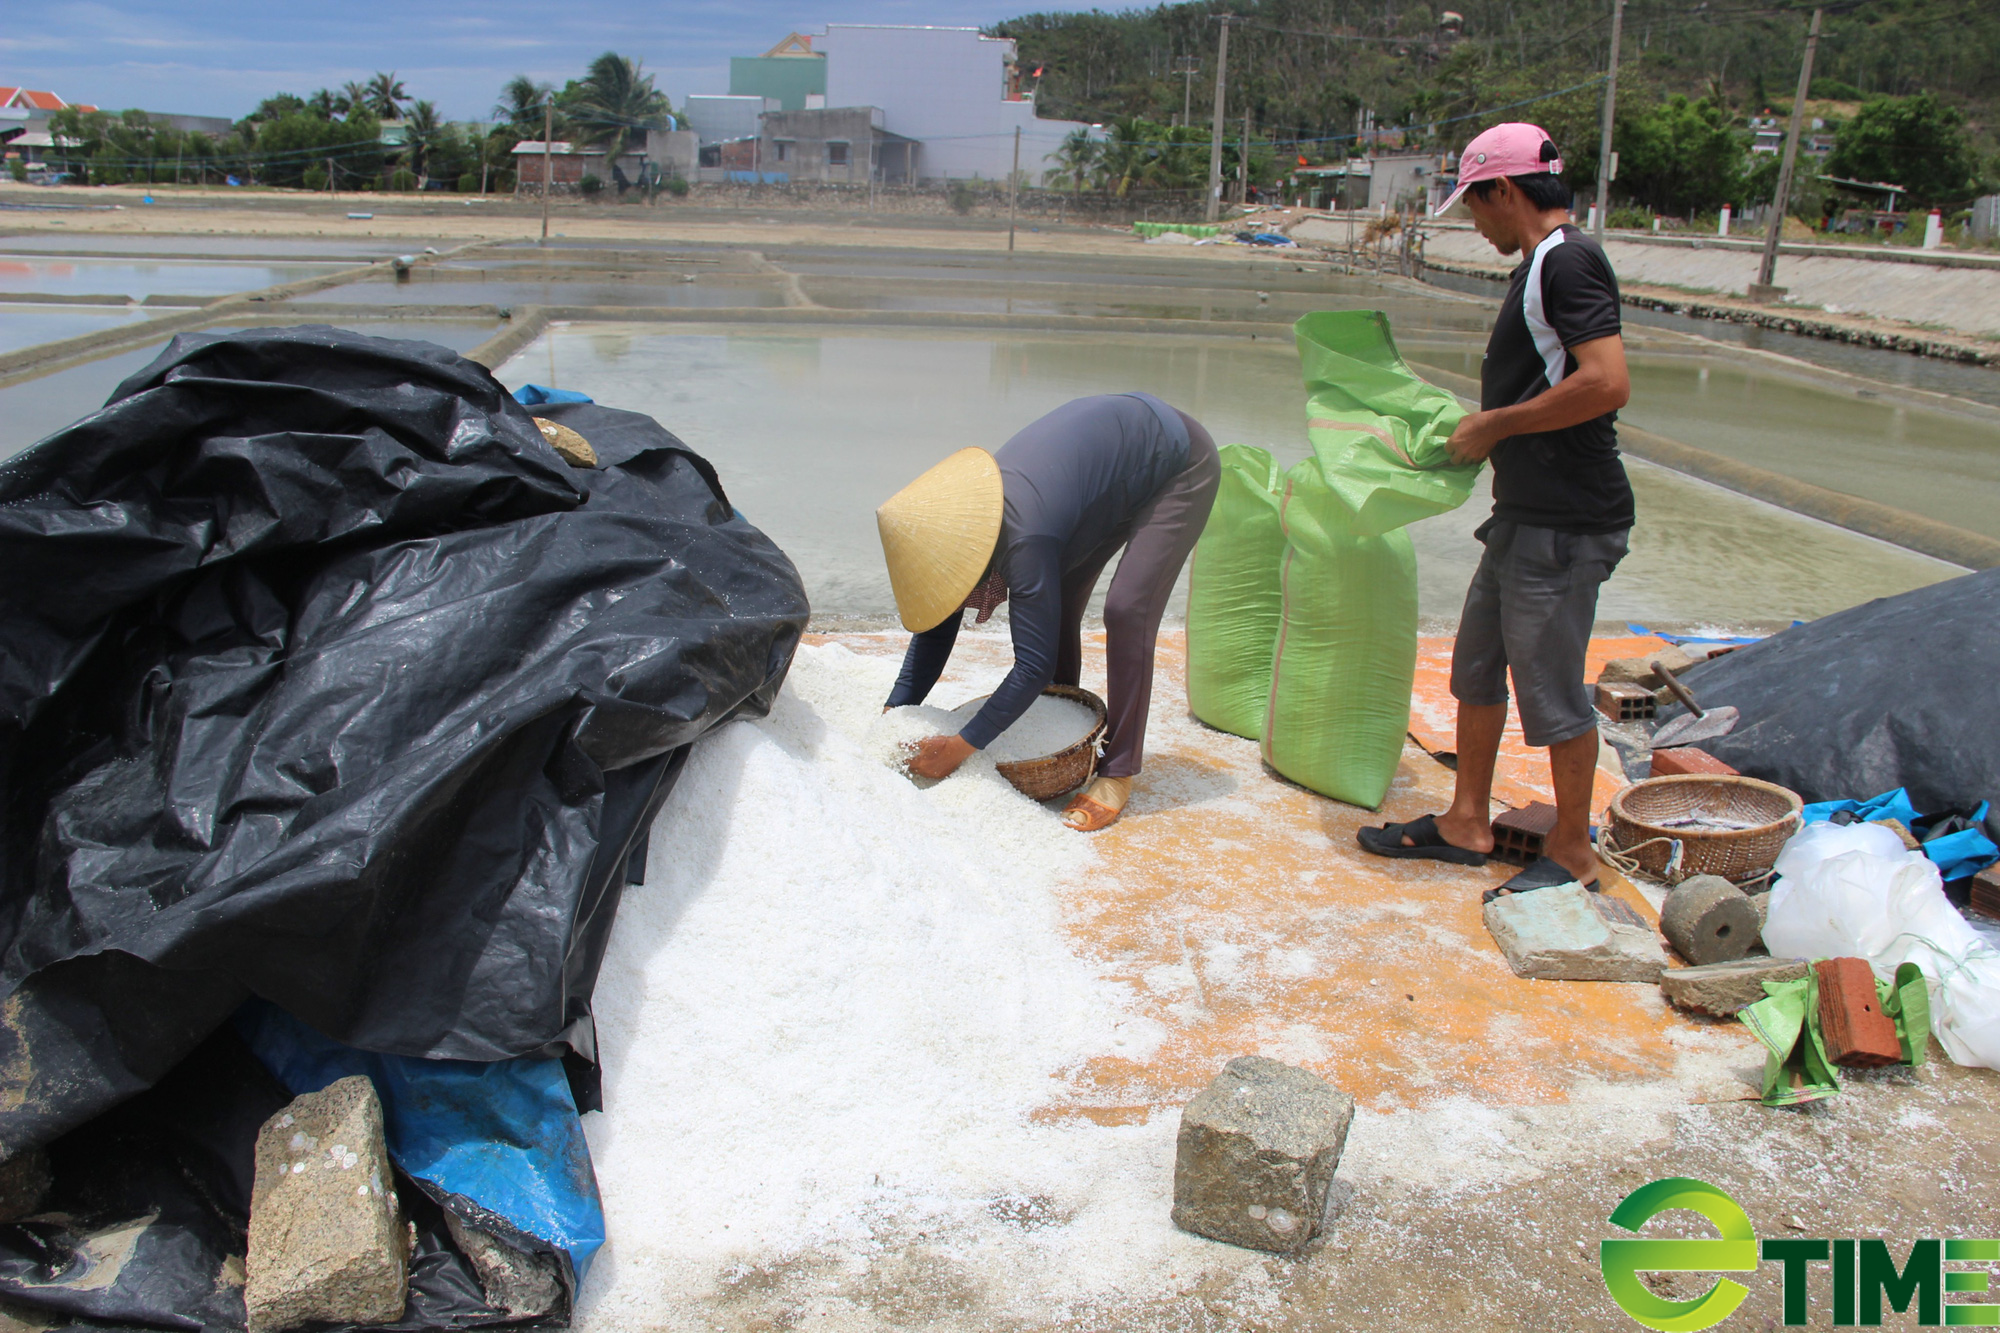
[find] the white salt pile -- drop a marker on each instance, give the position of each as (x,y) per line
(1050,725)
(826,1021)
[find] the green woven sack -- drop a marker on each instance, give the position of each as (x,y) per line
(1233,595)
(1377,430)
(1346,653)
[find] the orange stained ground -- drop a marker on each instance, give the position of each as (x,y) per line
(1245,919)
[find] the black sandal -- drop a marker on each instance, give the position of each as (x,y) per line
(1542,873)
(1426,843)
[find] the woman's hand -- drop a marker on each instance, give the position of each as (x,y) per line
(938,756)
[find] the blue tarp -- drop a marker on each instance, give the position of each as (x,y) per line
(534,395)
(1957,855)
(503,1134)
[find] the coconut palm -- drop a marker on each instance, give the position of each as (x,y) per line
(351,98)
(421,131)
(323,104)
(521,105)
(1077,157)
(386,96)
(614,103)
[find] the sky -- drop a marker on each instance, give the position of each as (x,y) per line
(221,57)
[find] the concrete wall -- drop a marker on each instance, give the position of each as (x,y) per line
(673,151)
(946,87)
(1399,178)
(717,119)
(788,80)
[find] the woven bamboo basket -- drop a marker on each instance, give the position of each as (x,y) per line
(1646,822)
(1067,769)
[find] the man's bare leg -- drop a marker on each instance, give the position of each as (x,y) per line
(1469,822)
(1573,765)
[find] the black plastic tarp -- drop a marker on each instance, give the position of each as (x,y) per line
(323,678)
(1897,692)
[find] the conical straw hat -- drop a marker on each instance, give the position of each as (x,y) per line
(938,533)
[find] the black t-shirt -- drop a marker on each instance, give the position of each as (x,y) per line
(1571,480)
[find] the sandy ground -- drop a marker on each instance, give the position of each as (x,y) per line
(1964,300)
(1500,1120)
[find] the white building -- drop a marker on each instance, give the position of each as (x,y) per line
(953,89)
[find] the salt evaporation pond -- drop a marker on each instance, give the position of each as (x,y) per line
(811,430)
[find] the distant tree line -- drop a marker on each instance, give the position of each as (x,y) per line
(1315,74)
(334,138)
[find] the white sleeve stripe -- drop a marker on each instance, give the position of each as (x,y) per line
(1555,358)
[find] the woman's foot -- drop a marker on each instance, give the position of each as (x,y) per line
(1098,805)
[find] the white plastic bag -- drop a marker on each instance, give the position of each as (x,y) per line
(1852,891)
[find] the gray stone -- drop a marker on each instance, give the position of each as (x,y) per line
(1568,933)
(516,1282)
(24,1181)
(327,1238)
(1709,920)
(1720,989)
(1256,1156)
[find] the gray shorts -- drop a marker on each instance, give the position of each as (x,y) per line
(1530,609)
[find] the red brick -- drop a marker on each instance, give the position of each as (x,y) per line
(1519,835)
(1856,1031)
(1622,701)
(1686,759)
(1986,891)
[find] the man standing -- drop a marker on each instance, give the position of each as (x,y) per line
(1036,523)
(1551,385)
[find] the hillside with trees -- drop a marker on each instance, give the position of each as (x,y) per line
(1912,86)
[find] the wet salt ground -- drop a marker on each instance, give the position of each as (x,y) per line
(138,279)
(811,430)
(26,325)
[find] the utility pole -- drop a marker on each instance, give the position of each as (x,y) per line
(1243,164)
(1762,289)
(1013,188)
(1214,208)
(1610,108)
(548,162)
(1187,67)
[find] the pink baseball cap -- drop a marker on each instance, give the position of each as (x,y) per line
(1514,149)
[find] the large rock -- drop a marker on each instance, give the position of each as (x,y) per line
(1639,670)
(1257,1152)
(1568,933)
(516,1283)
(328,1243)
(1720,989)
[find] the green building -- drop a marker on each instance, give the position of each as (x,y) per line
(790,71)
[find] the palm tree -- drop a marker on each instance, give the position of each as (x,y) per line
(421,129)
(351,98)
(521,106)
(386,96)
(323,105)
(615,101)
(1128,154)
(1077,156)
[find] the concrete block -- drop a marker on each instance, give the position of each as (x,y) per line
(1519,835)
(1857,1033)
(328,1243)
(519,1284)
(1720,989)
(1624,702)
(1256,1156)
(1686,759)
(1568,933)
(1709,920)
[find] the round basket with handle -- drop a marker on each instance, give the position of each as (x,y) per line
(1725,825)
(1068,768)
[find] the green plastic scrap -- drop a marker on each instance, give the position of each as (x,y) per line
(1786,1020)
